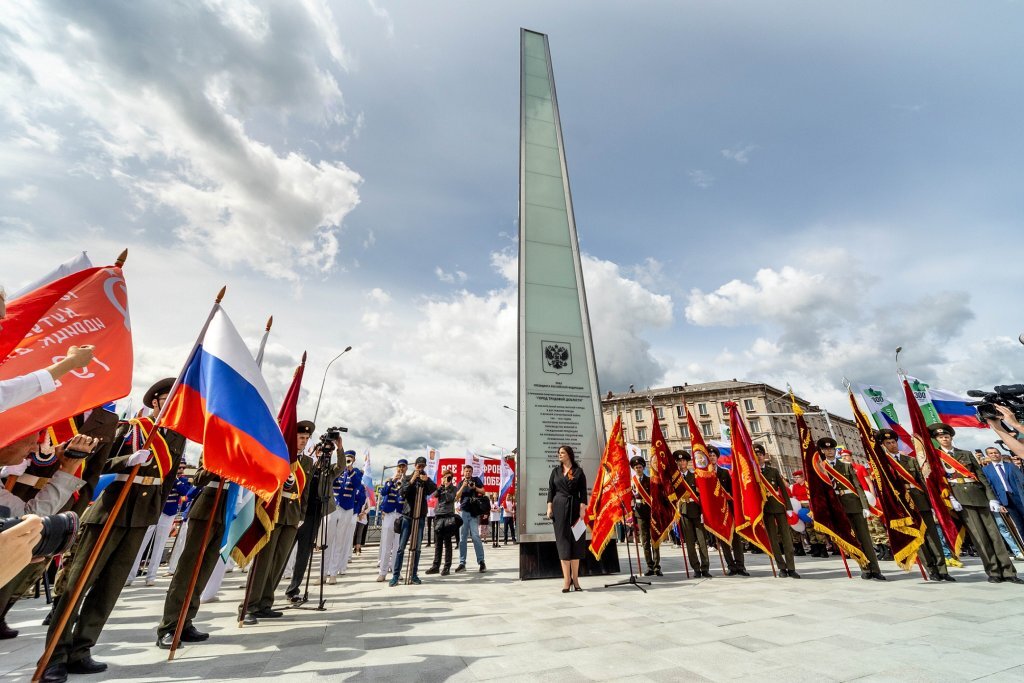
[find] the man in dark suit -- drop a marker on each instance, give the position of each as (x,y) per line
(1008,484)
(641,485)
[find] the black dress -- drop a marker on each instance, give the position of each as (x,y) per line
(566,495)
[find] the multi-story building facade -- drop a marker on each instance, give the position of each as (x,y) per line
(766,411)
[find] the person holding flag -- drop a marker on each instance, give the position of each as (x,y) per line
(690,518)
(776,504)
(973,497)
(156,474)
(732,551)
(640,484)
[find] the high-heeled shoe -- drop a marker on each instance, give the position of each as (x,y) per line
(565,590)
(576,587)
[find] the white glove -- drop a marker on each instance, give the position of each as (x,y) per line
(994,505)
(956,504)
(140,457)
(15,470)
(867,513)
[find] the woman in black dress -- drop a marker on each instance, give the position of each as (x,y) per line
(567,503)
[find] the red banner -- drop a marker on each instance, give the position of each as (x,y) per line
(491,476)
(93,312)
(714,501)
(611,497)
(747,486)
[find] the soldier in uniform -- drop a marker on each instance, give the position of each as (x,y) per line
(975,501)
(855,504)
(206,508)
(775,521)
(641,485)
(273,556)
(391,509)
(731,553)
(690,520)
(141,508)
(914,494)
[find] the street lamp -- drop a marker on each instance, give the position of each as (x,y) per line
(317,411)
(512,409)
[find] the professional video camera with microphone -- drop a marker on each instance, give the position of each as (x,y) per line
(58,533)
(1008,395)
(325,447)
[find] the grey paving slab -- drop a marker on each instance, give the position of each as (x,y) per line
(491,626)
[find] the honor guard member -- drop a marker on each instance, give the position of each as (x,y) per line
(99,426)
(732,553)
(641,485)
(690,519)
(272,558)
(775,521)
(141,508)
(391,502)
(910,484)
(349,495)
(206,509)
(973,498)
(855,504)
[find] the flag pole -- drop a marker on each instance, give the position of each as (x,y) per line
(248,589)
(195,574)
(845,563)
(94,554)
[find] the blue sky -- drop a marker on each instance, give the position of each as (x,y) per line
(774,193)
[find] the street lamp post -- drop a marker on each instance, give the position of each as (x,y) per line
(322,383)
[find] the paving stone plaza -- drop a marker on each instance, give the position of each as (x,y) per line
(491,626)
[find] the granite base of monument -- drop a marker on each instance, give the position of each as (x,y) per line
(539,560)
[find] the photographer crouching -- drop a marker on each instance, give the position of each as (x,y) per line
(414,516)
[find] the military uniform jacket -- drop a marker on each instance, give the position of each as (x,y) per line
(640,508)
(853,501)
(346,489)
(391,496)
(774,477)
(202,507)
(691,509)
(293,506)
(145,500)
(918,496)
(977,492)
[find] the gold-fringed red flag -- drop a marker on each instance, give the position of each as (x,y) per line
(748,491)
(826,509)
(930,460)
(668,488)
(714,500)
(903,524)
(611,496)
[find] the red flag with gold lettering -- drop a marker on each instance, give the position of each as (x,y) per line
(668,488)
(747,490)
(611,496)
(714,500)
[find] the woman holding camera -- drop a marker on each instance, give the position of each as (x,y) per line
(446,524)
(567,503)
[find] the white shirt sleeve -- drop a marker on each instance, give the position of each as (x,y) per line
(48,501)
(14,392)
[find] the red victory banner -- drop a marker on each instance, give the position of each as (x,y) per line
(714,501)
(93,311)
(748,487)
(611,497)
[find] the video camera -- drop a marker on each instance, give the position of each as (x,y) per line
(58,533)
(326,446)
(1009,395)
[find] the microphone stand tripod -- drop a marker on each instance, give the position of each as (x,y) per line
(323,496)
(632,580)
(414,546)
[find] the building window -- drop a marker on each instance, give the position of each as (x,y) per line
(755,425)
(643,453)
(702,409)
(661,413)
(681,411)
(705,428)
(748,405)
(684,431)
(725,410)
(641,433)
(638,415)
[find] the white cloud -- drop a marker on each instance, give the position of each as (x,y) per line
(741,155)
(25,193)
(456,277)
(169,121)
(701,179)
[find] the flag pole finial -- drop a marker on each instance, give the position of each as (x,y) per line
(220,294)
(303,358)
(899,370)
(121,258)
(270,323)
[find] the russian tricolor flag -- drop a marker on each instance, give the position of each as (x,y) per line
(222,402)
(954,411)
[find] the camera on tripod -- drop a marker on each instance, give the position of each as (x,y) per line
(1008,395)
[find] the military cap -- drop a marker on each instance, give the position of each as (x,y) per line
(713,450)
(941,428)
(306,427)
(402,461)
(352,453)
(758,448)
(160,388)
(636,460)
(826,443)
(421,460)
(798,473)
(682,455)
(883,434)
